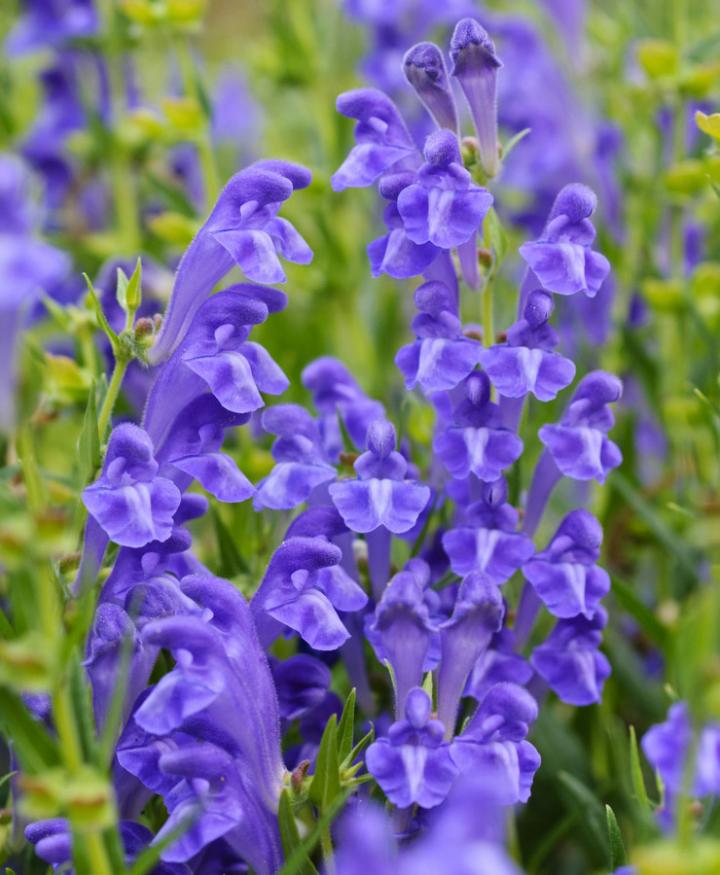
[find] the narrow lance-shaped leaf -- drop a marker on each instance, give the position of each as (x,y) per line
(290,837)
(618,856)
(326,780)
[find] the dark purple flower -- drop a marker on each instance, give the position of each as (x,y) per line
(190,450)
(477,615)
(475,442)
(337,395)
(381,135)
(562,259)
(444,207)
(498,663)
(569,659)
(301,464)
(381,496)
(525,362)
(303,588)
(425,70)
(493,743)
(413,765)
(441,356)
(475,66)
(578,443)
(395,254)
(402,631)
(489,542)
(565,574)
(129,500)
(243,229)
(301,683)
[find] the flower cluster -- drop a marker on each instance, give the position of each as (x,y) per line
(418,597)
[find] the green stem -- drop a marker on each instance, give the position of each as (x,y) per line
(66,727)
(111,396)
(327,850)
(488,319)
(98,854)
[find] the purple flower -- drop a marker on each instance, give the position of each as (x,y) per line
(396,254)
(61,114)
(301,683)
(337,395)
(476,441)
(129,500)
(444,207)
(457,841)
(206,736)
(382,138)
(475,66)
(562,259)
(497,664)
(301,463)
(565,575)
(442,356)
(424,68)
(27,268)
(493,743)
(243,229)
(489,541)
(569,659)
(190,450)
(53,844)
(476,617)
(49,23)
(668,746)
(215,357)
(303,588)
(413,765)
(579,444)
(526,363)
(381,496)
(401,632)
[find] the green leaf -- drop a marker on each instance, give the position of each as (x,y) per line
(35,748)
(294,863)
(100,313)
(513,141)
(58,313)
(675,545)
(618,857)
(231,562)
(121,289)
(639,611)
(578,795)
(636,775)
(325,784)
(495,236)
(290,837)
(366,740)
(346,727)
(133,291)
